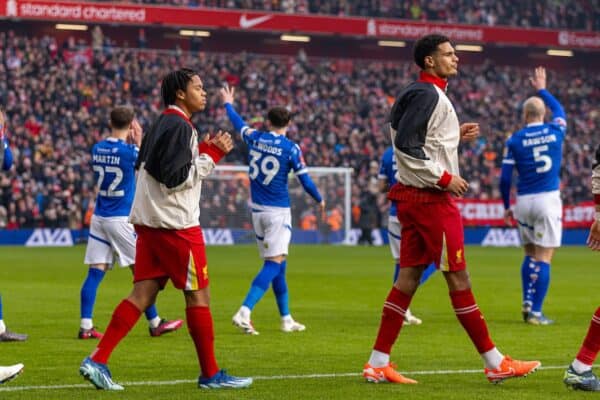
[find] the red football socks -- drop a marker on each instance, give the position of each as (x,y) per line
(591,344)
(123,319)
(471,319)
(394,308)
(200,326)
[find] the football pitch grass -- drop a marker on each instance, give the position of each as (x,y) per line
(338,292)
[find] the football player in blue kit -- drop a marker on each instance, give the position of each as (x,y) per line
(271,156)
(113,161)
(536,152)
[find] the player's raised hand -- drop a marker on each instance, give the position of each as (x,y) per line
(469,131)
(593,240)
(136,132)
(223,141)
(538,80)
(227,94)
(457,186)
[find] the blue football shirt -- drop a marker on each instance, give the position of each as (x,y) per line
(387,170)
(271,157)
(113,162)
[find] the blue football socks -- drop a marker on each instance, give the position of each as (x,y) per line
(88,291)
(541,285)
(280,290)
(261,283)
(527,270)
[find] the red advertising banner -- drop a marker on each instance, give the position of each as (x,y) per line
(86,12)
(491,213)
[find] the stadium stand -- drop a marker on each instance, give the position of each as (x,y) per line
(571,14)
(57,97)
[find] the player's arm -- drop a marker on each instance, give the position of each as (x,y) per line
(228,96)
(538,81)
(410,119)
(382,180)
(508,164)
(382,184)
(593,241)
(302,173)
(8,157)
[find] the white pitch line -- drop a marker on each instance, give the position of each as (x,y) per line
(262,378)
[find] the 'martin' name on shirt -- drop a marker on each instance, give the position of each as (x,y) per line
(106,159)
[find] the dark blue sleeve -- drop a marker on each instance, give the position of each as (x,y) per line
(505,183)
(8,157)
(236,120)
(557,109)
(309,187)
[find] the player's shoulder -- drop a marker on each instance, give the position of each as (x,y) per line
(175,122)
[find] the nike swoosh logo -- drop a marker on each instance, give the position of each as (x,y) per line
(510,372)
(246,23)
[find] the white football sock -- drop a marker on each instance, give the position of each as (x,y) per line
(86,323)
(154,322)
(2,326)
(580,367)
(287,318)
(379,359)
(245,311)
(492,359)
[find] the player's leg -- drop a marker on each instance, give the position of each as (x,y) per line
(379,368)
(548,236)
(99,257)
(158,326)
(87,298)
(528,278)
(446,237)
(525,224)
(394,239)
(278,235)
(413,259)
(200,325)
(273,232)
(123,240)
(579,375)
(7,335)
(541,283)
(149,278)
(280,290)
(124,318)
(187,268)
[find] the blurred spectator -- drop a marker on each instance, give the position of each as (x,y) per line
(571,14)
(57,109)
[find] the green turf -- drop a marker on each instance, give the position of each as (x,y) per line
(337,292)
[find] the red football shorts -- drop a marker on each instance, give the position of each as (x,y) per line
(164,254)
(432,231)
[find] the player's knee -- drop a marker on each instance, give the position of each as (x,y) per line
(197,298)
(457,280)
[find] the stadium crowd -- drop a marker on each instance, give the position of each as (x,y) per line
(569,14)
(57,99)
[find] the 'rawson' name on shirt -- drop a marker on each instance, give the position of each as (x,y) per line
(539,140)
(268,149)
(106,159)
